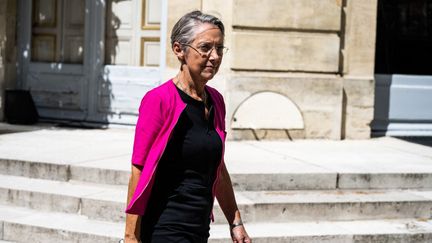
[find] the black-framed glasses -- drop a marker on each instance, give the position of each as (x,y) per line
(206,49)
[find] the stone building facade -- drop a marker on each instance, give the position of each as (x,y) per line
(294,69)
(317,54)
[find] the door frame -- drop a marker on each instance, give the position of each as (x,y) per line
(90,69)
(93,70)
(403,94)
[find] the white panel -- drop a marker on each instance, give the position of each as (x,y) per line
(122,54)
(118,52)
(267,110)
(151,53)
(411,98)
(122,14)
(123,88)
(120,39)
(407,129)
(153,12)
(402,105)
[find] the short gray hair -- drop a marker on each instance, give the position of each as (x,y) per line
(184,30)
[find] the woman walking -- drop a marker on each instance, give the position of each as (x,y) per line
(177,163)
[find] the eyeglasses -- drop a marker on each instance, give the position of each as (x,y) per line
(206,49)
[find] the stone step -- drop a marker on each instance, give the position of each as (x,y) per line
(103,156)
(100,173)
(107,172)
(374,231)
(26,225)
(107,202)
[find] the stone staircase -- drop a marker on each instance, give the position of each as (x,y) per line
(282,199)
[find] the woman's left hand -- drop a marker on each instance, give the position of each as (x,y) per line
(239,235)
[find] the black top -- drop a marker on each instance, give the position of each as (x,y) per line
(181,199)
(195,148)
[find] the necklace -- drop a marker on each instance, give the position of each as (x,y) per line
(180,85)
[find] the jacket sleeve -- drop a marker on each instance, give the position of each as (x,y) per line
(221,104)
(147,127)
(223,113)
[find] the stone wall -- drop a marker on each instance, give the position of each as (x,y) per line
(317,53)
(7,49)
(358,68)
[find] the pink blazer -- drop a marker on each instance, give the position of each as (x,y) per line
(159,112)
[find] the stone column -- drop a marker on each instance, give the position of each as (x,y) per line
(358,67)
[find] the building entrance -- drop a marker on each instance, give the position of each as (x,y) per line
(89,60)
(403,67)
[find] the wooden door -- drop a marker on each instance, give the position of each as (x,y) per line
(89,60)
(132,57)
(52,37)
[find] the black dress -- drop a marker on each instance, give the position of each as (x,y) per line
(181,200)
